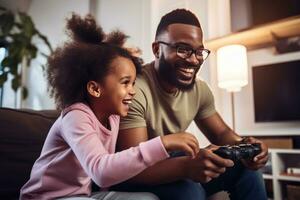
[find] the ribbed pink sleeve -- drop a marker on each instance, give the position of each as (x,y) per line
(106,169)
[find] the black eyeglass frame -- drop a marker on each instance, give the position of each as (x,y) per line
(192,51)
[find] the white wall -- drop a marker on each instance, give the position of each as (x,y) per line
(131,17)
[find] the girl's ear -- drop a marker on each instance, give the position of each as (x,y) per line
(155,49)
(93,89)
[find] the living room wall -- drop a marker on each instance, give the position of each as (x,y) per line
(219,24)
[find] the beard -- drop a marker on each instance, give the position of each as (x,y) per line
(167,71)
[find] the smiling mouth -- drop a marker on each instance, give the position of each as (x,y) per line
(127,101)
(186,73)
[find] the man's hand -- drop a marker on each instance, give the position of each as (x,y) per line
(206,165)
(181,141)
(261,159)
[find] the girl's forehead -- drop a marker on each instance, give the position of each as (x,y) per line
(121,65)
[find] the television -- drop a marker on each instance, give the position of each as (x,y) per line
(246,14)
(276,91)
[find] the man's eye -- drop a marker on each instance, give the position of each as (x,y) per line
(184,50)
(200,53)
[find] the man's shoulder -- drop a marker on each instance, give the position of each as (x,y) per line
(201,84)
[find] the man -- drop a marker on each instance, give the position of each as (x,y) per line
(168,99)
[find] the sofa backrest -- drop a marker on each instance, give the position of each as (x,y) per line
(22,135)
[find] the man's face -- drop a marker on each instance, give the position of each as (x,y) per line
(174,70)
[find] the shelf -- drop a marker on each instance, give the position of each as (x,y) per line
(260,36)
(285,151)
(279,161)
(288,178)
(268,176)
(292,131)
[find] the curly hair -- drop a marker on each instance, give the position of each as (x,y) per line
(181,16)
(87,56)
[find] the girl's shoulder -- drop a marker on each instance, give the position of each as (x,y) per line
(81,107)
(80,112)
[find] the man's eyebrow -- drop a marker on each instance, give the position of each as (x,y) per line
(186,44)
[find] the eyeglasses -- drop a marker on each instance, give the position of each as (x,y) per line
(185,51)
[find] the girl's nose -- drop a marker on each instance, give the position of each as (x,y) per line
(132,91)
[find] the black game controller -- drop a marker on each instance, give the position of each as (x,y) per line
(237,152)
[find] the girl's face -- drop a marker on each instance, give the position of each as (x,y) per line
(117,89)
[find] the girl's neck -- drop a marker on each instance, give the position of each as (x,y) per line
(102,117)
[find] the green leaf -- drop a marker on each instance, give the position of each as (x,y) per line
(16,83)
(5,62)
(24,93)
(16,33)
(43,67)
(44,38)
(32,50)
(6,23)
(3,79)
(28,26)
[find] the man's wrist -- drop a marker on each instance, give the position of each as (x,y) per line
(243,140)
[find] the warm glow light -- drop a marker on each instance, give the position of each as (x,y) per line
(232,67)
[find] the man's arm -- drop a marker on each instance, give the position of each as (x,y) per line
(216,130)
(203,168)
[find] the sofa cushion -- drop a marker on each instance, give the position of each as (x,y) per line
(22,134)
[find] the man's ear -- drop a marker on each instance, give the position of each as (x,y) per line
(93,89)
(155,49)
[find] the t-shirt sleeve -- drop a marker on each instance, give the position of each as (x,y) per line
(137,111)
(207,104)
(106,169)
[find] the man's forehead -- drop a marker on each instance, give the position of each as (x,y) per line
(183,32)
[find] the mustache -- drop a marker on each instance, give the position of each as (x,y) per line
(188,65)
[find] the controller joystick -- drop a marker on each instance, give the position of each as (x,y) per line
(238,152)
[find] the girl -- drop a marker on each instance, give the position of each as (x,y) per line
(92,78)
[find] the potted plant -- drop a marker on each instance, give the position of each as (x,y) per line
(17,32)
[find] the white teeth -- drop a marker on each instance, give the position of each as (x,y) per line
(127,101)
(188,70)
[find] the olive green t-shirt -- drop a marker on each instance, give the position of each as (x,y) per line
(164,113)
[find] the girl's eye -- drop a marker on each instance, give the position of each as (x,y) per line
(126,82)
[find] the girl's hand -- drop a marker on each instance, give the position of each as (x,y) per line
(181,141)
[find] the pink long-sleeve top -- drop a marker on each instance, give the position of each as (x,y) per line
(79,148)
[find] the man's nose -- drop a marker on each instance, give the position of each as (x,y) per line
(192,59)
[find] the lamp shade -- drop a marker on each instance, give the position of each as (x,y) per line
(232,67)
